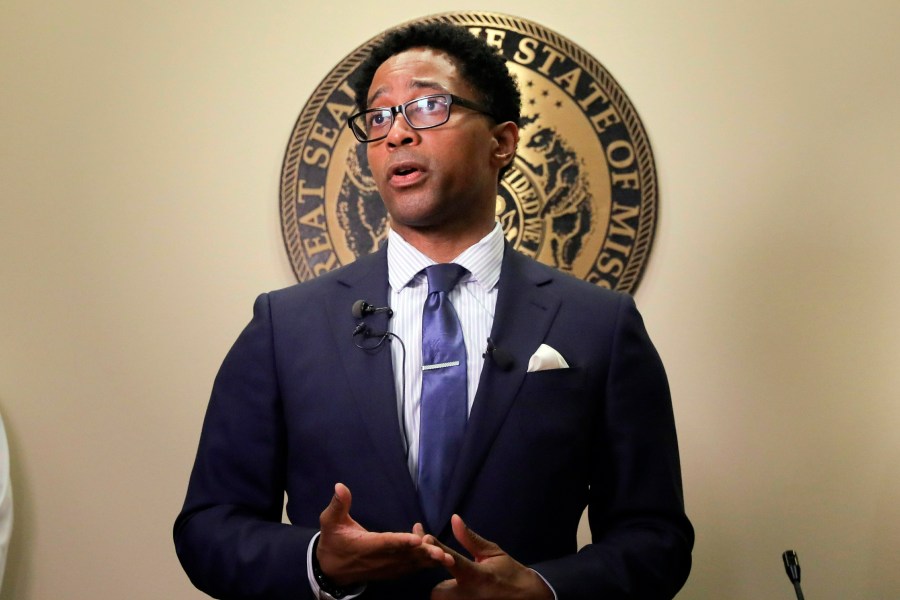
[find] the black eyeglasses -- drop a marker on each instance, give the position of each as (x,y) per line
(422,113)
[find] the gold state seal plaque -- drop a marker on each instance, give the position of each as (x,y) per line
(581,195)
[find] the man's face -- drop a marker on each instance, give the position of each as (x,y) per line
(441,180)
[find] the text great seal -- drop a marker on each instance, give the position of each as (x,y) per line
(581,195)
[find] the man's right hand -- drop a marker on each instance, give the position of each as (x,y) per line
(348,554)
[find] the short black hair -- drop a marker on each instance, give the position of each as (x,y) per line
(480,65)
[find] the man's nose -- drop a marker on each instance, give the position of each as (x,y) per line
(401,133)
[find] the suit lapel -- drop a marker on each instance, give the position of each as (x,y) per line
(526,306)
(369,373)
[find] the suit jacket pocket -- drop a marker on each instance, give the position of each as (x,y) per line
(554,405)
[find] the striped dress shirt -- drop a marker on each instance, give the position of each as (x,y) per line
(474,299)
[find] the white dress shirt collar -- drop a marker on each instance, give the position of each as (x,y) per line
(482,259)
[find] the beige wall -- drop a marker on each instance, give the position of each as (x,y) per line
(139,171)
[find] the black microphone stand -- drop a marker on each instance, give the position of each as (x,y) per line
(792,568)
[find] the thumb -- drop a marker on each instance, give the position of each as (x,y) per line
(477,546)
(338,509)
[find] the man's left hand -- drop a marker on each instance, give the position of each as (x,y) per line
(492,575)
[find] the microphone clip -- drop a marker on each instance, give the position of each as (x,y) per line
(360,310)
(503,359)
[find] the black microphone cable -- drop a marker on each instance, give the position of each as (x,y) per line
(364,330)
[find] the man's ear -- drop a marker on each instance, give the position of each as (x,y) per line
(506,137)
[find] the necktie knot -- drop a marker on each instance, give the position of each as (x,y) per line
(444,277)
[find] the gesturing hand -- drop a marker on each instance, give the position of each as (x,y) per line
(493,574)
(349,554)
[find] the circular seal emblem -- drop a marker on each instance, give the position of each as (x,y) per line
(581,195)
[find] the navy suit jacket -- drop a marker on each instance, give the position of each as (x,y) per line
(297,406)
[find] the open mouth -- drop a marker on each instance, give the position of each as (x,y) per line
(405,172)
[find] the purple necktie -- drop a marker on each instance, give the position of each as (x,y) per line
(444,406)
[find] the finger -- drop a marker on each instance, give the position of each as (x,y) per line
(342,493)
(460,567)
(435,553)
(438,552)
(445,590)
(477,546)
(338,509)
(385,543)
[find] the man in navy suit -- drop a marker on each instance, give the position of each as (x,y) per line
(319,399)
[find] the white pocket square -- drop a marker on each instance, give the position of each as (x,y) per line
(546,358)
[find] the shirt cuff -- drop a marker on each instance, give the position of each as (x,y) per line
(314,585)
(555,597)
